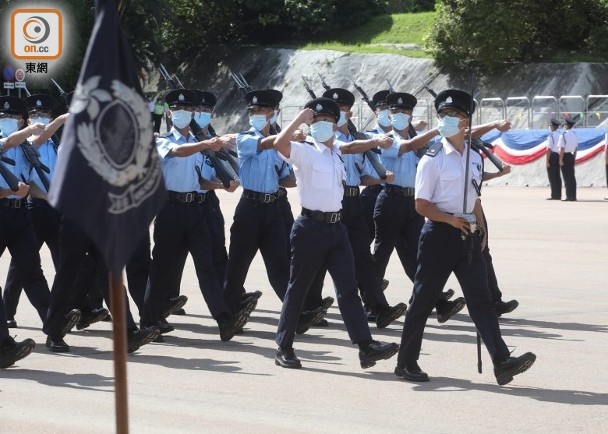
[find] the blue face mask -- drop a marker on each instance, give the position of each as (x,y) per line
(258,122)
(181,118)
(322,131)
(384,118)
(448,126)
(275,116)
(400,121)
(43,121)
(8,126)
(202,119)
(342,119)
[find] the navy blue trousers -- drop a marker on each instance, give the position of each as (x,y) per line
(256,226)
(369,195)
(441,252)
(17,235)
(181,227)
(568,175)
(555,180)
(314,244)
(398,226)
(45,220)
(66,294)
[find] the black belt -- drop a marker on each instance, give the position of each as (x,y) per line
(13,203)
(187,197)
(351,191)
(403,191)
(261,197)
(282,192)
(327,217)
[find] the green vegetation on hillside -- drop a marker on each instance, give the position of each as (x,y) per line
(403,33)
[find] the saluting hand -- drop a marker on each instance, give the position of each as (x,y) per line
(306,116)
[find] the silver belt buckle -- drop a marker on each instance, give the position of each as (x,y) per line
(267,198)
(334,217)
(189,197)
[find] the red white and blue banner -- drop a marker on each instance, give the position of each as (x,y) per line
(519,147)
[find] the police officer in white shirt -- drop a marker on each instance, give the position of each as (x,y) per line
(318,237)
(449,242)
(568,144)
(555,180)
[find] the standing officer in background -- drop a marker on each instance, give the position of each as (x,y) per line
(568,145)
(606,141)
(181,223)
(258,222)
(16,230)
(452,241)
(398,225)
(555,180)
(319,237)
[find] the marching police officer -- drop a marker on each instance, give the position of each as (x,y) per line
(450,242)
(11,351)
(319,237)
(555,180)
(258,221)
(181,223)
(16,230)
(568,145)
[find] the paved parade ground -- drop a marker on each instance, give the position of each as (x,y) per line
(551,256)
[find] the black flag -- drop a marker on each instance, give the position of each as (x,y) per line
(108,178)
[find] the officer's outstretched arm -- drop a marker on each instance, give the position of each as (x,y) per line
(282,143)
(18,137)
(360,146)
(50,130)
(417,142)
(501,125)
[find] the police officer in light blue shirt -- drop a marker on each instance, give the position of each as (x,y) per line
(16,230)
(398,225)
(181,223)
(45,218)
(258,221)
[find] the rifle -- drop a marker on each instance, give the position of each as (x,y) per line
(33,157)
(378,167)
(369,103)
(197,131)
(308,89)
(241,82)
(7,174)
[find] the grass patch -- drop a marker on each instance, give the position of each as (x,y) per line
(406,28)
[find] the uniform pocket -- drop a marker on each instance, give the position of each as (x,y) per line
(322,176)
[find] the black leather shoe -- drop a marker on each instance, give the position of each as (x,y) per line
(569,199)
(446,295)
(554,198)
(72,319)
(180,312)
(11,351)
(11,323)
(505,370)
(139,338)
(175,304)
(286,358)
(228,328)
(327,302)
(370,314)
(94,316)
(251,295)
(322,323)
(384,284)
(108,318)
(448,309)
(307,319)
(376,351)
(389,314)
(503,307)
(411,372)
(164,327)
(57,345)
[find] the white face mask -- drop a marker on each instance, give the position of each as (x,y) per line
(181,118)
(384,118)
(342,119)
(448,126)
(322,131)
(8,126)
(202,119)
(400,121)
(258,122)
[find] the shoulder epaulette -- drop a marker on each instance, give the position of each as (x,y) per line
(434,149)
(165,135)
(310,143)
(250,133)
